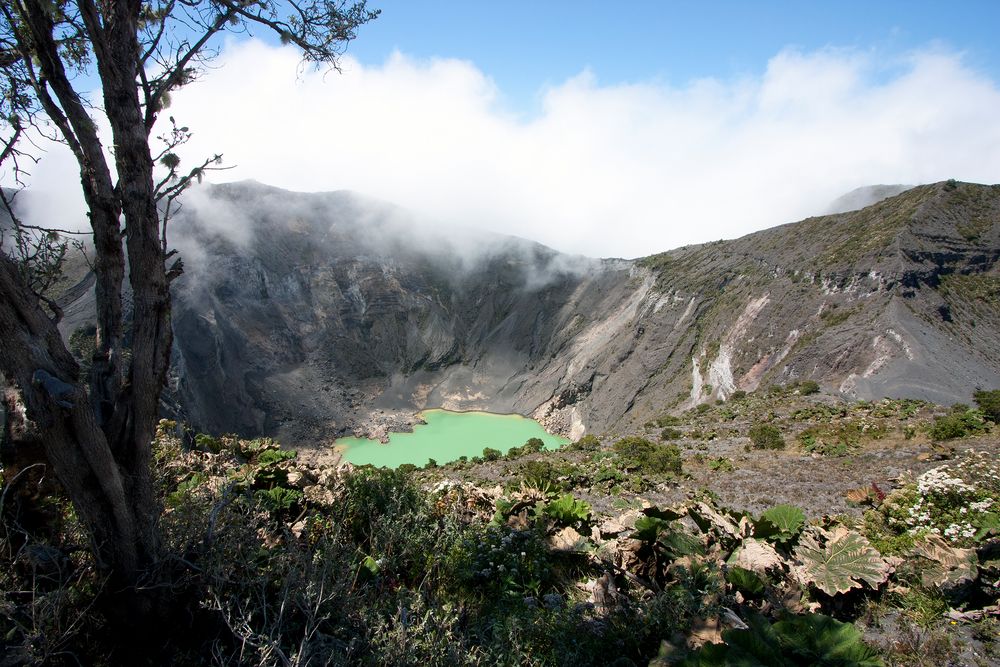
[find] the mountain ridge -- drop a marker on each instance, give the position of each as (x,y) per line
(309,316)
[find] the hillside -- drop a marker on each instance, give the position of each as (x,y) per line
(308,316)
(304,316)
(731,509)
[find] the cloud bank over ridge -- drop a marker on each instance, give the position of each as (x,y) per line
(603,170)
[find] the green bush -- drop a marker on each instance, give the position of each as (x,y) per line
(781,523)
(641,455)
(541,474)
(810,639)
(721,464)
(745,581)
(375,498)
(670,433)
(766,436)
(989,404)
(274,456)
(808,387)
(958,425)
(587,443)
(533,446)
(498,561)
(825,447)
(490,454)
(567,510)
(842,438)
(738,395)
(278,499)
(207,443)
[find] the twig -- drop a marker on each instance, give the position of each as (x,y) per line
(7,487)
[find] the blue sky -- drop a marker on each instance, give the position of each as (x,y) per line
(527,46)
(611,129)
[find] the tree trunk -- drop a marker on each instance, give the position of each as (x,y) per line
(152,336)
(121,407)
(73,443)
(103,204)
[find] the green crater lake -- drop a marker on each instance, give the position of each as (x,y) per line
(447,436)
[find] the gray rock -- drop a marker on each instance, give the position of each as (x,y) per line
(309,316)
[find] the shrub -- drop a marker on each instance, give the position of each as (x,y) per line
(490,454)
(843,438)
(279,499)
(587,443)
(274,456)
(808,388)
(374,498)
(766,436)
(533,446)
(207,443)
(958,425)
(738,395)
(641,455)
(989,404)
(953,500)
(498,561)
(567,510)
(540,474)
(670,433)
(721,464)
(814,444)
(810,639)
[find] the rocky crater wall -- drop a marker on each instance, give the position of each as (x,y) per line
(310,316)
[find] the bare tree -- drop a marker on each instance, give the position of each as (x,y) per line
(96,434)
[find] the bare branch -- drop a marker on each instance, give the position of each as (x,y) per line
(40,254)
(321,28)
(176,75)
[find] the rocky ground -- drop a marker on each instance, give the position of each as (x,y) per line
(779,527)
(885,442)
(717,454)
(843,464)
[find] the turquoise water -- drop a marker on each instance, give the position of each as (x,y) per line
(447,436)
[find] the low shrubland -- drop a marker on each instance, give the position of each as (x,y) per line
(271,557)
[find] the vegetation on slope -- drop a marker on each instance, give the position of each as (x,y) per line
(558,558)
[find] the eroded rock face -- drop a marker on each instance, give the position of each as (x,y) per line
(308,316)
(322,314)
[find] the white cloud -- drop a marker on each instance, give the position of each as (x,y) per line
(609,170)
